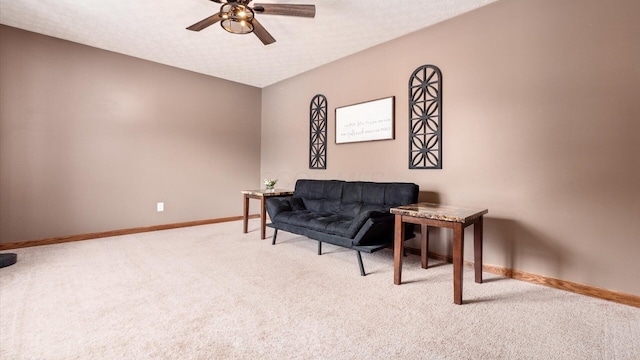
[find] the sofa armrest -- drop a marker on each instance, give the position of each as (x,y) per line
(380,230)
(376,230)
(277,205)
(377,214)
(362,218)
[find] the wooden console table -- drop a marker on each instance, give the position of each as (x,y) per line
(261,195)
(452,217)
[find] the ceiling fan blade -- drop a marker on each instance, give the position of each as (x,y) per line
(286,9)
(262,33)
(205,23)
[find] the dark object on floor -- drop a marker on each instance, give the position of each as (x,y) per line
(351,214)
(8,259)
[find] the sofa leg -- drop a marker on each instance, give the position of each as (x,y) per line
(319,247)
(360,263)
(275,233)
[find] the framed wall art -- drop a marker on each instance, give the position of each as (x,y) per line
(368,121)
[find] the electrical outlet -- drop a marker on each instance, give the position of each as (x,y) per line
(160,206)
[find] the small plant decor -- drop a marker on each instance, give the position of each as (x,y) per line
(270,183)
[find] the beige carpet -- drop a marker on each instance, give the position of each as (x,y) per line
(211,292)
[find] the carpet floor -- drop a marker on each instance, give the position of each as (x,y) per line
(211,292)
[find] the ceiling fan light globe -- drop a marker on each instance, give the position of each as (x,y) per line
(236,18)
(237,26)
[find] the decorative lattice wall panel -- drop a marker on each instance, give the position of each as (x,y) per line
(425,118)
(318,132)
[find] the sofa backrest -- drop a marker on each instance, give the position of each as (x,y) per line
(320,195)
(350,198)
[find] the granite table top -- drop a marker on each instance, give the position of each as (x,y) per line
(440,212)
(267,193)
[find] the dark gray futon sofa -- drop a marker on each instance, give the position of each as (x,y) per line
(351,214)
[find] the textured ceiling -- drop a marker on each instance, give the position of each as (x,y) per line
(155,30)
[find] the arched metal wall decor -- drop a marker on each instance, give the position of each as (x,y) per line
(425,118)
(318,132)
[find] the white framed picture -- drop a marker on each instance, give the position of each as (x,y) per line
(368,121)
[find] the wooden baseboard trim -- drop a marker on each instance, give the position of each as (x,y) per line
(582,289)
(97,235)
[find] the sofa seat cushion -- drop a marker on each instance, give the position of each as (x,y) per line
(319,221)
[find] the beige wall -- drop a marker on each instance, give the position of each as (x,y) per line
(541,126)
(91,140)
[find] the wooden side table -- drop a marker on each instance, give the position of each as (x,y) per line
(261,195)
(452,217)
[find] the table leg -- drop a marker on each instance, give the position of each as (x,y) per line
(245,214)
(477,249)
(458,256)
(263,218)
(424,232)
(398,250)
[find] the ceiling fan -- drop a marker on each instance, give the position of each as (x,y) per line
(238,17)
